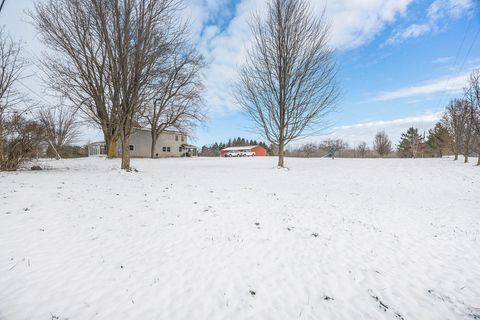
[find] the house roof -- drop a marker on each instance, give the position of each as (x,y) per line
(190,146)
(97,143)
(239,148)
(167,130)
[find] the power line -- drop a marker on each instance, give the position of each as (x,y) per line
(36,94)
(470,49)
(1,5)
(446,94)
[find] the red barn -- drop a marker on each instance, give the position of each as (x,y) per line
(244,151)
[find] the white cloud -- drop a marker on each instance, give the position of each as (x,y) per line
(442,60)
(356,22)
(448,8)
(449,85)
(438,11)
(353,23)
(413,31)
(356,133)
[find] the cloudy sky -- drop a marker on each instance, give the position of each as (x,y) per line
(399,61)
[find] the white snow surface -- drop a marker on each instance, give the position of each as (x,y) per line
(238,239)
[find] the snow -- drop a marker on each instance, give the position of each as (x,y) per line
(236,239)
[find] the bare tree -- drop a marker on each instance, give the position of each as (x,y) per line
(178,95)
(108,55)
(362,149)
(309,149)
(472,94)
(456,120)
(332,146)
(22,138)
(77,62)
(382,144)
(11,67)
(288,83)
(136,39)
(60,127)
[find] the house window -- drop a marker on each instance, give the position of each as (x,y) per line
(168,149)
(164,149)
(179,149)
(176,138)
(131,147)
(183,139)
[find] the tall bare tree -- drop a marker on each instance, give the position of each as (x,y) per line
(106,57)
(11,67)
(178,94)
(76,64)
(136,39)
(382,144)
(456,120)
(288,83)
(60,127)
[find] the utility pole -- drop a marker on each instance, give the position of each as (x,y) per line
(1,5)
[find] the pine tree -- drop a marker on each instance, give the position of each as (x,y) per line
(411,143)
(439,140)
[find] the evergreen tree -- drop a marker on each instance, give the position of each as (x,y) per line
(411,143)
(439,140)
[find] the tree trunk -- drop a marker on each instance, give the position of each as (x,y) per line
(281,154)
(456,157)
(478,161)
(1,144)
(154,143)
(466,157)
(111,148)
(125,154)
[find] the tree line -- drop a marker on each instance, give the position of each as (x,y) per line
(213,150)
(457,133)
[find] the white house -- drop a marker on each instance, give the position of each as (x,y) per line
(170,143)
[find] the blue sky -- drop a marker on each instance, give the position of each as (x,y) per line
(399,61)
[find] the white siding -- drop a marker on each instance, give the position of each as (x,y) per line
(142,140)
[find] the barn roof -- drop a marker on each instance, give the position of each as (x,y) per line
(239,148)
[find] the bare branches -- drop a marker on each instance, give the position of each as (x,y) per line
(21,140)
(60,126)
(458,122)
(382,144)
(288,83)
(11,68)
(362,149)
(178,93)
(76,63)
(106,56)
(332,146)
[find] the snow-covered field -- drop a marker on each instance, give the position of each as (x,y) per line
(237,239)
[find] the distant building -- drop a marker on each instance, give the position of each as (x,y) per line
(170,143)
(258,150)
